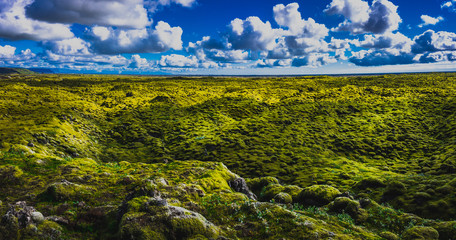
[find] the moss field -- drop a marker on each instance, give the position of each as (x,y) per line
(136,157)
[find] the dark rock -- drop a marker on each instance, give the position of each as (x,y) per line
(30,144)
(239,185)
(57,219)
(25,214)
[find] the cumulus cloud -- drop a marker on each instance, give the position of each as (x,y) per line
(428,20)
(431,41)
(7,51)
(8,56)
(139,62)
(381,57)
(289,17)
(270,63)
(181,61)
(15,25)
(119,13)
(153,5)
(251,34)
(72,46)
(387,40)
(442,56)
(147,40)
(450,5)
(313,60)
(254,39)
(85,60)
(380,17)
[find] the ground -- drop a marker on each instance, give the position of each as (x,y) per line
(131,157)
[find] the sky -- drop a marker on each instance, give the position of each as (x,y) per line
(229,37)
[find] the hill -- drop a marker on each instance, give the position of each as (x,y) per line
(15,71)
(130,157)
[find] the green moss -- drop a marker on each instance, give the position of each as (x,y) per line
(283,198)
(256,185)
(389,236)
(350,207)
(116,139)
(420,233)
(317,195)
(184,227)
(65,190)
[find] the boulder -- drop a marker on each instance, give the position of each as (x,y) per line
(239,185)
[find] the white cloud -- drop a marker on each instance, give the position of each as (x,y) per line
(7,51)
(450,5)
(313,60)
(119,13)
(252,34)
(442,56)
(85,60)
(428,20)
(378,18)
(289,16)
(114,41)
(181,61)
(16,26)
(431,41)
(178,61)
(153,5)
(389,56)
(387,40)
(227,55)
(270,63)
(8,56)
(139,62)
(185,3)
(72,46)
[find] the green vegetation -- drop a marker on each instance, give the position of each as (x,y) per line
(130,157)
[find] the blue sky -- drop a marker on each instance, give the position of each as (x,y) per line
(229,37)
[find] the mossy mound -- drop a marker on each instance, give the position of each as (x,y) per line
(421,233)
(155,219)
(317,195)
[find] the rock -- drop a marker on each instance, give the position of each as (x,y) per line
(317,195)
(30,144)
(23,213)
(18,216)
(57,219)
(239,185)
(37,217)
(420,233)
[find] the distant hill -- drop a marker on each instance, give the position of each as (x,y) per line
(15,71)
(42,70)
